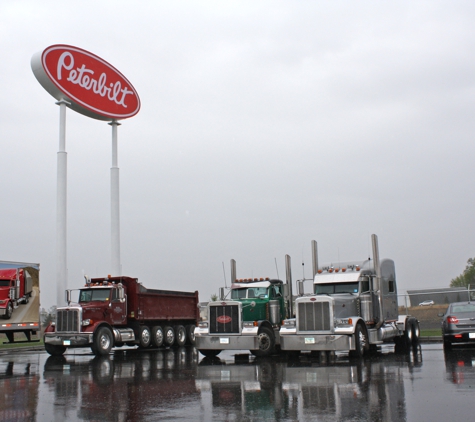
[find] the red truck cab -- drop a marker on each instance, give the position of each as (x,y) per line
(15,288)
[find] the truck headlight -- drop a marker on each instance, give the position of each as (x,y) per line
(249,324)
(203,324)
(289,323)
(2,302)
(87,322)
(343,321)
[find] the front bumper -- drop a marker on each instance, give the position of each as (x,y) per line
(69,339)
(226,342)
(310,342)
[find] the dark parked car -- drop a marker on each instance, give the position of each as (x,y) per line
(458,325)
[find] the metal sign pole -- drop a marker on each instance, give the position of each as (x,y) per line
(115,204)
(61,209)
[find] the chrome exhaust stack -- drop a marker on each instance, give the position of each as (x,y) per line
(314,258)
(288,280)
(377,284)
(233,271)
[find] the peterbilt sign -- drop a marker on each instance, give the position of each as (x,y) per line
(88,83)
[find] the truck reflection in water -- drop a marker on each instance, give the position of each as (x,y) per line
(307,389)
(124,386)
(460,367)
(18,391)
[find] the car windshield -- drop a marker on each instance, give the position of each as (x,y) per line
(249,293)
(463,308)
(94,295)
(333,288)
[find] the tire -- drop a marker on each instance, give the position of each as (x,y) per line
(190,334)
(9,311)
(145,337)
(55,350)
(361,342)
(210,353)
(266,339)
(180,335)
(408,333)
(103,341)
(158,337)
(169,336)
(416,331)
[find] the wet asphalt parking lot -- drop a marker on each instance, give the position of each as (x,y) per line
(424,384)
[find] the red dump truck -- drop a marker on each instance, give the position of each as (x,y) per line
(16,286)
(117,311)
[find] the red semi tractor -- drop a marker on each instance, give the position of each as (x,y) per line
(117,311)
(16,286)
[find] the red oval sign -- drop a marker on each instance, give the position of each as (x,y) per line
(224,319)
(92,86)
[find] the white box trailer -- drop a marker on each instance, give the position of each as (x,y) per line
(19,299)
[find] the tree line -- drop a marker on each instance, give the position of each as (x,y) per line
(467,277)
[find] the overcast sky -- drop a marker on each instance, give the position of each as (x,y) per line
(264,125)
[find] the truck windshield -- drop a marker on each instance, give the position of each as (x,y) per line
(249,293)
(332,288)
(94,295)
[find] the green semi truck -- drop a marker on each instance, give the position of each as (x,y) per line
(249,318)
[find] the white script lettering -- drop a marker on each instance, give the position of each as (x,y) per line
(84,78)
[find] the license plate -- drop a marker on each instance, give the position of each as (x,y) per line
(309,340)
(471,335)
(223,340)
(66,342)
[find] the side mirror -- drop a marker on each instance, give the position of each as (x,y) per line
(68,296)
(121,293)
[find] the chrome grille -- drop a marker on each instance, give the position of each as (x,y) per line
(67,320)
(314,316)
(224,319)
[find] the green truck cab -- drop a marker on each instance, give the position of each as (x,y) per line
(250,319)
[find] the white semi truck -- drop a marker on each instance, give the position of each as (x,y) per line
(353,307)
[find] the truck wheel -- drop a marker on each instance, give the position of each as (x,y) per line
(416,331)
(157,336)
(210,353)
(9,311)
(408,333)
(266,341)
(190,331)
(360,342)
(169,336)
(180,334)
(145,337)
(103,341)
(55,350)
